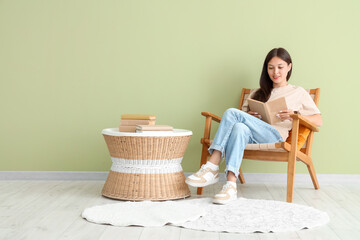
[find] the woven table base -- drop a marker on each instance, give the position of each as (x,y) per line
(138,187)
(146,166)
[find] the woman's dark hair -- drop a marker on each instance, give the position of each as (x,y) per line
(266,85)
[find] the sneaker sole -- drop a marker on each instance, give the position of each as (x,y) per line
(219,201)
(202,184)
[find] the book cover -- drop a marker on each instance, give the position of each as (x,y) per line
(154,128)
(134,122)
(127,128)
(138,116)
(269,109)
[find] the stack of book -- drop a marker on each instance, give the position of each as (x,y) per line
(130,121)
(153,128)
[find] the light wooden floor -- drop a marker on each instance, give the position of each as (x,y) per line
(51,210)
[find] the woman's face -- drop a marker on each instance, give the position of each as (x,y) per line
(278,70)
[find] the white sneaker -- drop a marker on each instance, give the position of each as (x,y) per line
(227,194)
(204,177)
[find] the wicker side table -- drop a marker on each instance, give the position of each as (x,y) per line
(146,166)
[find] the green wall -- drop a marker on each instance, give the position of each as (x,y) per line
(68,69)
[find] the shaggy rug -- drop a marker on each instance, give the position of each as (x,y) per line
(240,216)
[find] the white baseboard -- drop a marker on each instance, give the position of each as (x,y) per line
(53,175)
(278,178)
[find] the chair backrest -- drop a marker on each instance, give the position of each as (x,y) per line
(315,95)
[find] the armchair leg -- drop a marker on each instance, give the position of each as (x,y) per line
(290,178)
(199,191)
(311,169)
(241,177)
(204,157)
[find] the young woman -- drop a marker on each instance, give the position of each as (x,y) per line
(241,127)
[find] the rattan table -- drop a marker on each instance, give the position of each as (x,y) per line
(146,166)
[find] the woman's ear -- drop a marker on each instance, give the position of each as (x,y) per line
(290,66)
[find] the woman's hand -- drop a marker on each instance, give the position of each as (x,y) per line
(255,114)
(285,114)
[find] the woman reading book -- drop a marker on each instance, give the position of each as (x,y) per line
(241,127)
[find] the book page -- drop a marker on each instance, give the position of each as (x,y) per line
(259,107)
(274,107)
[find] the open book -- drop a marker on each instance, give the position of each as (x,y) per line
(269,109)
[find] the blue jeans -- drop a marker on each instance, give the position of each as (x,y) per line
(236,130)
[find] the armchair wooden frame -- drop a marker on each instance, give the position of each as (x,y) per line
(289,152)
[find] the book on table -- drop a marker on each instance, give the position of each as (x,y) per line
(268,110)
(134,122)
(127,128)
(130,121)
(138,116)
(153,128)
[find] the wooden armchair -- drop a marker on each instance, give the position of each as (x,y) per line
(280,152)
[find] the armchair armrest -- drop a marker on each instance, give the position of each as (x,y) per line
(213,116)
(303,121)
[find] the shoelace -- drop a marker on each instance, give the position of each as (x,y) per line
(226,186)
(202,169)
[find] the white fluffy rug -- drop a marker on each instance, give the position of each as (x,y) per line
(146,213)
(240,216)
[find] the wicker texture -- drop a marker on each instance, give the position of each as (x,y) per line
(264,147)
(149,154)
(146,166)
(137,187)
(147,148)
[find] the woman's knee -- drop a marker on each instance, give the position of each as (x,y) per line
(240,128)
(231,112)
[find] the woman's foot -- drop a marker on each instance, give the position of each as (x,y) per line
(207,175)
(227,194)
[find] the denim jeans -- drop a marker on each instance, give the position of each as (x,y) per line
(236,130)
